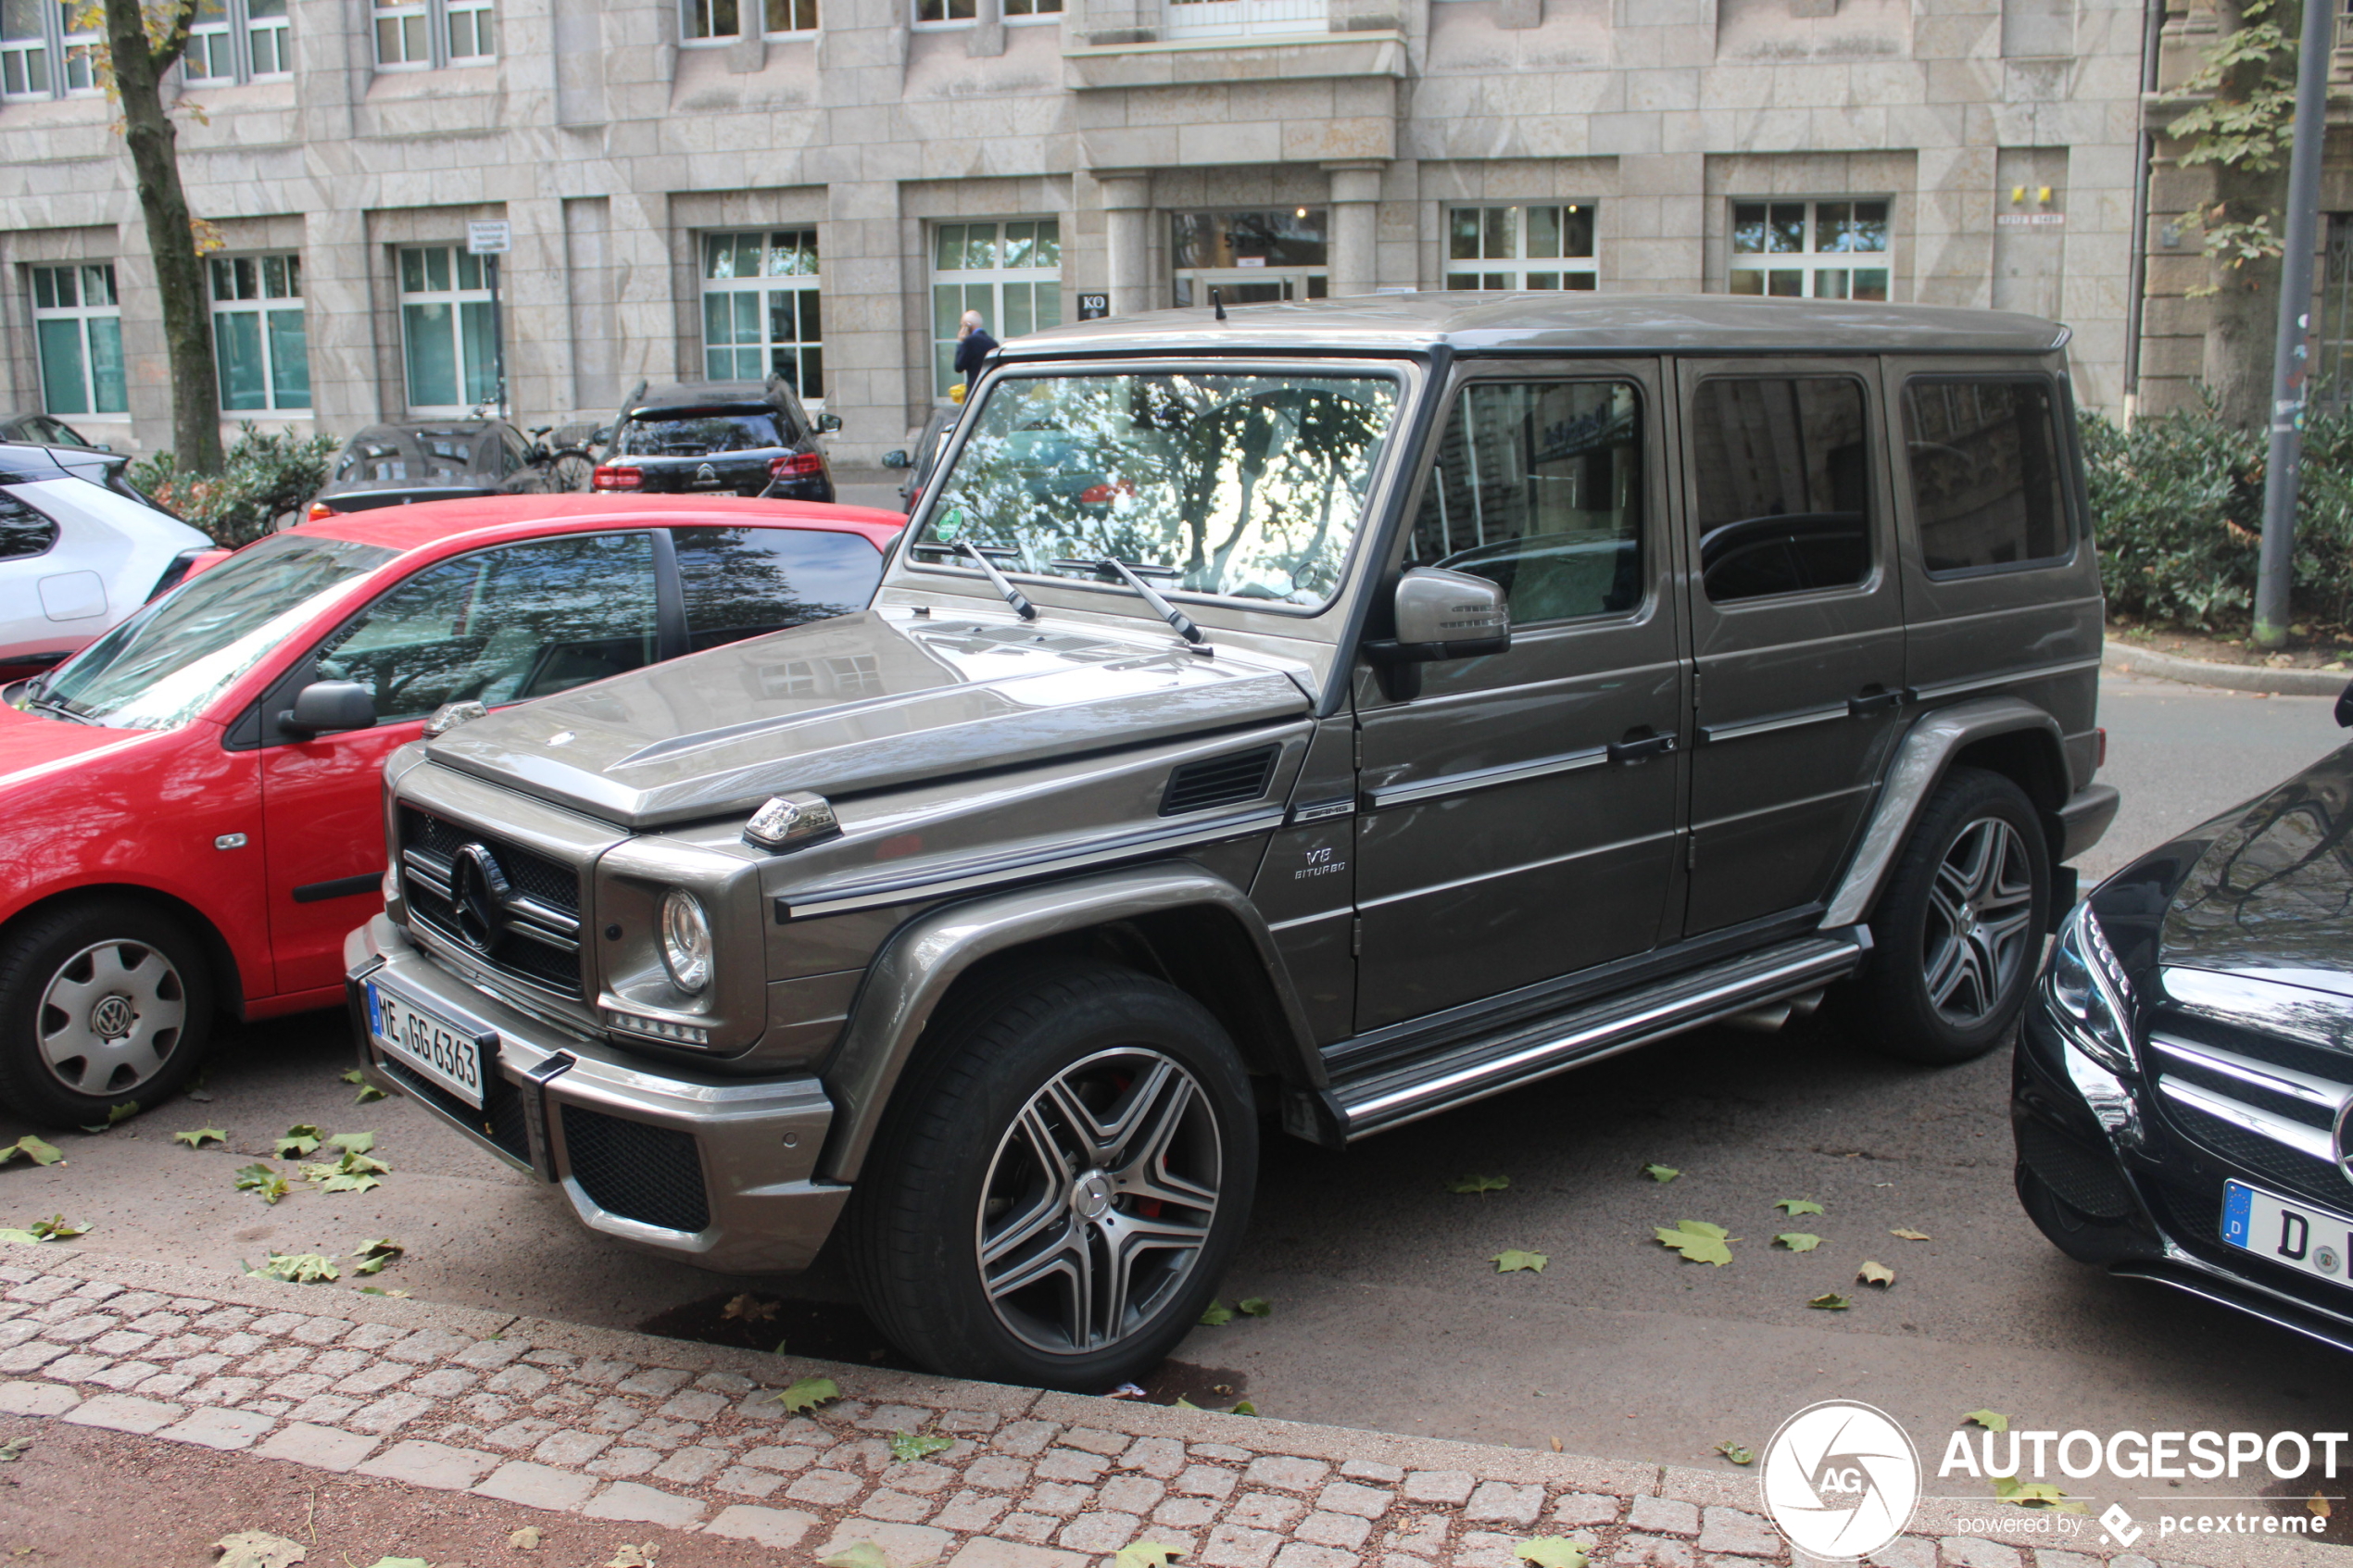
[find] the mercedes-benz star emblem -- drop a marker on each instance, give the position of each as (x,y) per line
(478,891)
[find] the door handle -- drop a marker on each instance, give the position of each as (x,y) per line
(1875,702)
(1640,750)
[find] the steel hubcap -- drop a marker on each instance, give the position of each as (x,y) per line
(1980,914)
(109,1018)
(1099,1200)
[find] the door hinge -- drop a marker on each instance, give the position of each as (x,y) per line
(1357,937)
(1694,690)
(1356,740)
(1691,853)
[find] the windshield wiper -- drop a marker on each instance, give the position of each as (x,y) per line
(1129,575)
(1013,596)
(51,705)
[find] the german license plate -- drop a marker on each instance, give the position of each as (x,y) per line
(449,1054)
(2298,1234)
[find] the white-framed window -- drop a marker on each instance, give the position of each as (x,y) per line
(421,34)
(1021,13)
(1241,19)
(259,344)
(760,308)
(42,55)
(1810,250)
(946,13)
(77,328)
(1011,272)
(1250,258)
(79,52)
(449,348)
(784,18)
(1544,245)
(236,41)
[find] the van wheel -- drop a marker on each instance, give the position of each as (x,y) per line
(101,1005)
(1958,936)
(1054,1195)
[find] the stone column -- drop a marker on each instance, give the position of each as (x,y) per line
(1355,226)
(1128,197)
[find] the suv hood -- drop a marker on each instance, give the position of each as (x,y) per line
(862,702)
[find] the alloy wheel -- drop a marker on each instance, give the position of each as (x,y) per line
(1099,1198)
(110,1017)
(1981,910)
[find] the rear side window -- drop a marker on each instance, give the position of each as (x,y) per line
(741,582)
(24,532)
(1537,486)
(1782,472)
(1986,484)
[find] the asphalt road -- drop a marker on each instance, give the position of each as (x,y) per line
(1386,1312)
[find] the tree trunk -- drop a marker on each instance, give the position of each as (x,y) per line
(2245,315)
(138,67)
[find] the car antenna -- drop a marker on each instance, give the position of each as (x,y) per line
(1217,305)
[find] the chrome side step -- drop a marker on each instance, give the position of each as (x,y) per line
(1392,1097)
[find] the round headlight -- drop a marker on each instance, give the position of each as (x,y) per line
(685,940)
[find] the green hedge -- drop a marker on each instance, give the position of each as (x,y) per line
(267,477)
(2177,504)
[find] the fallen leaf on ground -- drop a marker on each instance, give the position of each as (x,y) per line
(348,1184)
(354,1143)
(1145,1554)
(299,1140)
(2317,1503)
(905,1446)
(1551,1551)
(197,1137)
(1992,1421)
(1254,1306)
(1216,1315)
(115,1116)
(1698,1241)
(370,1256)
(1875,1273)
(859,1554)
(1556,1444)
(1511,1261)
(634,1555)
(34,1149)
(807,1394)
(1830,1302)
(262,1180)
(1793,1206)
(1243,1407)
(1909,1235)
(527,1538)
(1478,1183)
(1797,1241)
(400,1563)
(297,1267)
(367,1091)
(13,1449)
(259,1548)
(750,1308)
(1661,1172)
(1739,1453)
(56,1227)
(2034,1494)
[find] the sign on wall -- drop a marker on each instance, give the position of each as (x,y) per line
(490,237)
(1093,306)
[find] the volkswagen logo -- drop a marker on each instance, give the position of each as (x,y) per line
(478,891)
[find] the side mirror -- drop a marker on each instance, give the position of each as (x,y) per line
(2344,707)
(828,423)
(326,707)
(1439,615)
(897,457)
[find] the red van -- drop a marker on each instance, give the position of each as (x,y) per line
(190,814)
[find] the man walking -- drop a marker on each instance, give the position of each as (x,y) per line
(973,346)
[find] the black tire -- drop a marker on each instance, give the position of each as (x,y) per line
(957,1154)
(1945,984)
(102,1004)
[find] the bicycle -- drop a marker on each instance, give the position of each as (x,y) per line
(569,465)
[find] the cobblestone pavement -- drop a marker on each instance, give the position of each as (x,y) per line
(628,1427)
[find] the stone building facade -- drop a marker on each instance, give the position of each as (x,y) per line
(719,186)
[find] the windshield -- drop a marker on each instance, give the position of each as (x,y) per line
(1250,485)
(694,434)
(158,669)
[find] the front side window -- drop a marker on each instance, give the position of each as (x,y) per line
(1250,258)
(1537,486)
(445,329)
(760,309)
(501,625)
(235,41)
(77,325)
(741,582)
(419,34)
(1250,485)
(1810,250)
(1009,273)
(1987,486)
(1546,247)
(258,340)
(1781,484)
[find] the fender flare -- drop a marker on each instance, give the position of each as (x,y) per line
(914,969)
(1922,759)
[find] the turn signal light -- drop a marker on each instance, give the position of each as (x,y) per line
(320,509)
(615,476)
(799,465)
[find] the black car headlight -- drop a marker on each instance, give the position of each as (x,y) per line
(2088,989)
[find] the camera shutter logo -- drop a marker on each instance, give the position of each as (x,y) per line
(1841,1479)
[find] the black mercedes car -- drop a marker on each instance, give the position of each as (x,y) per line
(2182,1096)
(719,438)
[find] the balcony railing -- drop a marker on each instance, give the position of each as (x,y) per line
(1244,18)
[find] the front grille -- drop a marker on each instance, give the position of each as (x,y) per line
(1218,780)
(647,1174)
(551,881)
(2261,1103)
(500,1118)
(539,941)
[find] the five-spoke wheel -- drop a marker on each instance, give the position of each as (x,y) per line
(102,1004)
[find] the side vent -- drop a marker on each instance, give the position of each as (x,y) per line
(1218,780)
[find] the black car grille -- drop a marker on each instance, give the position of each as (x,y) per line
(647,1174)
(499,1119)
(538,937)
(2258,1102)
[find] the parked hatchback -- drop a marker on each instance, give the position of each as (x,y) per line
(190,811)
(718,438)
(396,465)
(79,550)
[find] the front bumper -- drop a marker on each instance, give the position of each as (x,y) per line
(710,1171)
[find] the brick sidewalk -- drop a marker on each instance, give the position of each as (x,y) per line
(628,1427)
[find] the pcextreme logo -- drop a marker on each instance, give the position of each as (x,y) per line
(1841,1479)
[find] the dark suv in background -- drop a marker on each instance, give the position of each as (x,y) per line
(719,438)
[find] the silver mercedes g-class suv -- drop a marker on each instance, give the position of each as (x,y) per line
(1342,711)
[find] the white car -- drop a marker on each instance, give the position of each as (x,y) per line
(79,549)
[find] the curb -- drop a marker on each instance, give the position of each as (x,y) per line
(2126,658)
